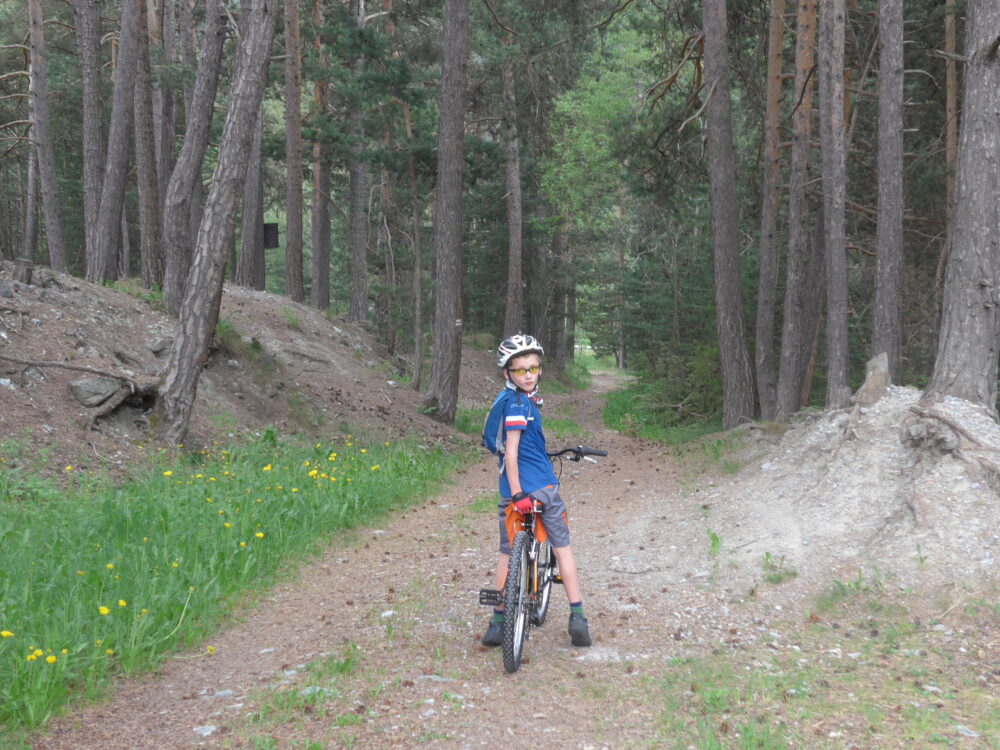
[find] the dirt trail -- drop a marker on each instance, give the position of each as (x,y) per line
(405,595)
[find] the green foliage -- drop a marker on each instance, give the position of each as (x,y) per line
(131,573)
(637,410)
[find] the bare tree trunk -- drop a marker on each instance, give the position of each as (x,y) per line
(39,106)
(385,309)
(767,288)
(30,244)
(105,261)
(416,222)
(250,264)
(951,144)
(966,365)
(734,355)
(441,398)
(357,190)
(200,309)
(185,180)
(796,333)
(164,99)
(321,234)
(150,229)
(294,284)
(889,233)
(832,135)
(513,314)
(125,251)
(86,14)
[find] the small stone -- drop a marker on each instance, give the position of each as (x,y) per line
(206,731)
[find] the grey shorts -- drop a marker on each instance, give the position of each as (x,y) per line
(553,518)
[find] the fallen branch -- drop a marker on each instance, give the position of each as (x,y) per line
(932,414)
(63,365)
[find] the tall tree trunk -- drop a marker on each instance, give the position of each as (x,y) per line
(416,245)
(321,234)
(441,397)
(250,264)
(513,314)
(832,135)
(294,284)
(103,266)
(385,307)
(889,233)
(200,309)
(767,287)
(737,372)
(86,14)
(950,143)
(150,229)
(796,332)
(185,179)
(164,97)
(966,365)
(30,244)
(357,190)
(39,101)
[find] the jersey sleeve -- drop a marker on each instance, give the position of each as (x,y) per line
(516,415)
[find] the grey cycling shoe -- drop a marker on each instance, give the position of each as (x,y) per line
(579,633)
(494,634)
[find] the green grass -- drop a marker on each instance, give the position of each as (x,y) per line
(631,412)
(100,580)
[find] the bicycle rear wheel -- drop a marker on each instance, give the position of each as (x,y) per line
(516,604)
(546,563)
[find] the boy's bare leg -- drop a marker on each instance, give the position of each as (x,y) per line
(502,564)
(567,570)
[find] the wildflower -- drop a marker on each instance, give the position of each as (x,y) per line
(51,659)
(211,479)
(227,525)
(210,650)
(69,468)
(99,641)
(80,573)
(103,610)
(222,512)
(259,535)
(268,467)
(386,443)
(313,474)
(295,489)
(208,499)
(168,473)
(64,651)
(110,566)
(199,476)
(6,634)
(243,544)
(145,539)
(175,563)
(122,603)
(376,467)
(110,652)
(38,652)
(31,657)
(364,450)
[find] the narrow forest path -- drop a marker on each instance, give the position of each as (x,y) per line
(375,644)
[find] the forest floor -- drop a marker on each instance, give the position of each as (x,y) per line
(818,585)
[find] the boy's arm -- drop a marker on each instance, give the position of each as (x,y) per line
(511,443)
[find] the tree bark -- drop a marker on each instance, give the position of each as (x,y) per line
(39,105)
(103,265)
(150,229)
(796,332)
(416,245)
(250,264)
(294,284)
(767,287)
(200,309)
(164,99)
(29,245)
(186,175)
(441,397)
(86,14)
(889,232)
(321,182)
(357,190)
(513,313)
(734,355)
(966,364)
(833,137)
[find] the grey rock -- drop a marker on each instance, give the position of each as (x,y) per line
(94,391)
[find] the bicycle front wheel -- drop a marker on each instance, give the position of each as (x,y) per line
(546,570)
(515,601)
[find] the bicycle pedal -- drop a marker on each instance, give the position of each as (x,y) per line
(490,597)
(557,579)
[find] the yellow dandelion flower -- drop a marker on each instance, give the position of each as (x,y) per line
(31,657)
(259,535)
(6,634)
(376,467)
(80,573)
(211,479)
(333,479)
(102,610)
(64,651)
(122,603)
(51,659)
(243,544)
(208,499)
(110,652)
(168,473)
(307,463)
(145,539)
(210,650)
(227,525)
(268,467)
(38,652)
(144,611)
(386,444)
(110,566)
(175,563)
(222,512)
(69,468)
(314,473)
(364,450)
(199,476)
(99,641)
(295,489)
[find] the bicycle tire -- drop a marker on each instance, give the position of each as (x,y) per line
(546,563)
(516,605)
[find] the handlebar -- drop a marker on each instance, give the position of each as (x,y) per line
(578,453)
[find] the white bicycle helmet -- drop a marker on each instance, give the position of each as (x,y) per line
(516,345)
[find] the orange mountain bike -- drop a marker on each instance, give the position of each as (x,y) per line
(528,587)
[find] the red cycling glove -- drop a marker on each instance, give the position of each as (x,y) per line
(523,503)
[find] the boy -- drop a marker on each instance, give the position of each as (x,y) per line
(526,474)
